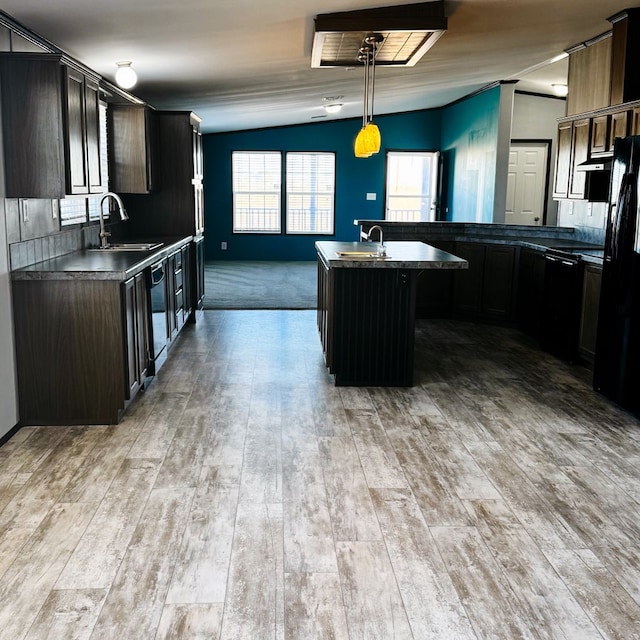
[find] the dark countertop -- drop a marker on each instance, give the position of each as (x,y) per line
(95,264)
(400,255)
(536,238)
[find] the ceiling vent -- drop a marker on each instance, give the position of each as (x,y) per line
(408,32)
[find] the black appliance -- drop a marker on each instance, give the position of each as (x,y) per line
(560,322)
(156,283)
(616,370)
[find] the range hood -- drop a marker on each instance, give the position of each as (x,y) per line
(595,164)
(408,32)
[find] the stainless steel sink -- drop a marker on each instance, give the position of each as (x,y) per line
(360,255)
(131,246)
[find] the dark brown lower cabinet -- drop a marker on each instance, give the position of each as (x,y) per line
(71,350)
(137,333)
(592,281)
(434,288)
(486,289)
(197,265)
(530,291)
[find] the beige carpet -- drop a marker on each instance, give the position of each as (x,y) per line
(236,284)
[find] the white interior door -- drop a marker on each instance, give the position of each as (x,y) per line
(526,183)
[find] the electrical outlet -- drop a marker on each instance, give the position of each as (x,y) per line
(223,246)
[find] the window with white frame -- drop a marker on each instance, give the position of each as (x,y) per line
(257,186)
(412,186)
(311,179)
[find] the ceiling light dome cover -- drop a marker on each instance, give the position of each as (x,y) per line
(126,77)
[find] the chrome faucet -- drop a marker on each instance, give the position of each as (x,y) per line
(382,251)
(104,243)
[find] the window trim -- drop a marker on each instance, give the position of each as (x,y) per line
(285,208)
(438,194)
(284,194)
(254,232)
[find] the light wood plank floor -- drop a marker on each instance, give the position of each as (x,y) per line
(244,496)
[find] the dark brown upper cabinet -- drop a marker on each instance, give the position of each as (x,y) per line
(177,208)
(33,126)
(50,126)
(132,150)
(84,174)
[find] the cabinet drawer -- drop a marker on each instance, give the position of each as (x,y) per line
(178,279)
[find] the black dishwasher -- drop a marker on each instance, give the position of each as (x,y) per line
(157,286)
(560,330)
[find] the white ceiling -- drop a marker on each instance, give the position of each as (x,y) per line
(243,64)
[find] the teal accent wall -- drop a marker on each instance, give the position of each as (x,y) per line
(355,177)
(466,133)
(469,142)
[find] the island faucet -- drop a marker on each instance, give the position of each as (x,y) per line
(381,248)
(104,243)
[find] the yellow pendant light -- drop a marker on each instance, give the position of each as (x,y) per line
(368,140)
(360,145)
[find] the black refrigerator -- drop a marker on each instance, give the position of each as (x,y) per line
(616,371)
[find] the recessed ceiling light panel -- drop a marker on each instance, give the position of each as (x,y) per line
(408,32)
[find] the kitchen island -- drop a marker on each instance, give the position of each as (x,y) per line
(366,308)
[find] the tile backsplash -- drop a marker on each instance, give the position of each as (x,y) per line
(28,252)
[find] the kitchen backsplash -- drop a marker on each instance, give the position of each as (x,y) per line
(587,218)
(28,252)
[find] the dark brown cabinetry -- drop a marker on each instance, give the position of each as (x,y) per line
(486,288)
(33,131)
(531,269)
(70,351)
(136,332)
(619,127)
(579,153)
(133,149)
(175,293)
(563,160)
(197,275)
(84,174)
(178,206)
(600,135)
(187,294)
(51,128)
(434,288)
(468,286)
(590,76)
(592,280)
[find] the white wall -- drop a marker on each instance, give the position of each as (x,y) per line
(536,118)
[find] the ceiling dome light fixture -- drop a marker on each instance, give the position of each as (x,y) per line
(560,89)
(126,77)
(333,108)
